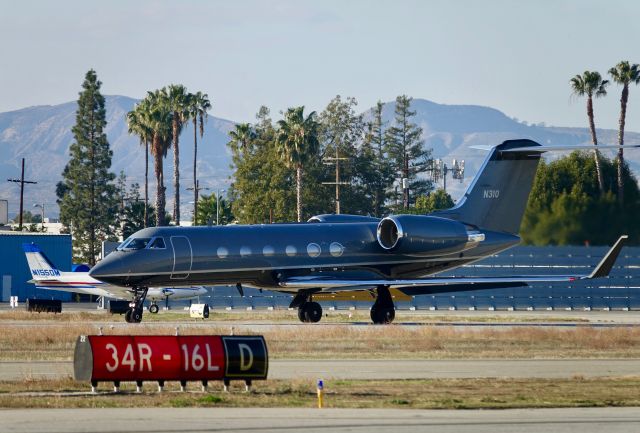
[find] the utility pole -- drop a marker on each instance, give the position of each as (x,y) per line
(196,188)
(336,160)
(21,181)
(218,191)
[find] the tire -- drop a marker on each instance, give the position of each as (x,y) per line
(153,309)
(136,315)
(312,312)
(301,313)
(127,315)
(382,316)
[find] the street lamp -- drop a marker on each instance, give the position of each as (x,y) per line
(41,206)
(218,191)
(196,188)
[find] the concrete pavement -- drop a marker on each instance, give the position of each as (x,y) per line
(239,420)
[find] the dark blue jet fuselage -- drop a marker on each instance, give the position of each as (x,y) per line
(264,255)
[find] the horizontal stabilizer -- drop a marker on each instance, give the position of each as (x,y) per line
(605,265)
(541,149)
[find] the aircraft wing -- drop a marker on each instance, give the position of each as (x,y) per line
(451,284)
(83,288)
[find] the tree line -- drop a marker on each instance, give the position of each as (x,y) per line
(94,205)
(578,200)
(333,161)
(337,160)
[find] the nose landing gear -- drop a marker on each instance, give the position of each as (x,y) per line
(134,314)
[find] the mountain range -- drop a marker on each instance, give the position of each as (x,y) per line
(42,136)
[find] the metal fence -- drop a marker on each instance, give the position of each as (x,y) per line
(620,291)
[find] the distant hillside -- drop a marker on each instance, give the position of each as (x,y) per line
(451,129)
(42,136)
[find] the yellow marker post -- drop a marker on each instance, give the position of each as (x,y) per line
(320,393)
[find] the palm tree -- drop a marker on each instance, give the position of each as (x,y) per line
(198,104)
(241,137)
(176,97)
(138,124)
(159,120)
(624,74)
(590,84)
(297,141)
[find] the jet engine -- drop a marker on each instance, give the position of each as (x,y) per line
(418,235)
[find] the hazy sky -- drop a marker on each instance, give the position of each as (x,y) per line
(515,56)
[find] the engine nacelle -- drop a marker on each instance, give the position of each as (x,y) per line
(342,218)
(418,235)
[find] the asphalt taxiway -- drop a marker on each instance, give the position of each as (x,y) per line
(239,420)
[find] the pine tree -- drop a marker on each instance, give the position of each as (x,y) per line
(133,211)
(377,171)
(87,195)
(261,190)
(405,148)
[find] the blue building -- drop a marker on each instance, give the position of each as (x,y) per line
(14,271)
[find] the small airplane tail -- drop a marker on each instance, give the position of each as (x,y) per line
(40,266)
(497,197)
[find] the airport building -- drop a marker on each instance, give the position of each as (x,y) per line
(14,271)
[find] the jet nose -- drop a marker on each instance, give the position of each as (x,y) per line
(202,291)
(112,269)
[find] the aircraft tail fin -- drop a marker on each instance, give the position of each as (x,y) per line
(497,197)
(39,264)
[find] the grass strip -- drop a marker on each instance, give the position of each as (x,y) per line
(55,341)
(415,394)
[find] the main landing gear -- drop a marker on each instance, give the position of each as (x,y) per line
(383,310)
(134,314)
(153,308)
(308,310)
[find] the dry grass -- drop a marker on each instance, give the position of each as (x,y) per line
(425,394)
(285,315)
(55,341)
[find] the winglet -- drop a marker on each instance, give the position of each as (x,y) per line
(605,265)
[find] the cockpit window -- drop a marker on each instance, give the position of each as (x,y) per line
(123,245)
(157,243)
(134,244)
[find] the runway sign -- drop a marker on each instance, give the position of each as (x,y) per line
(116,358)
